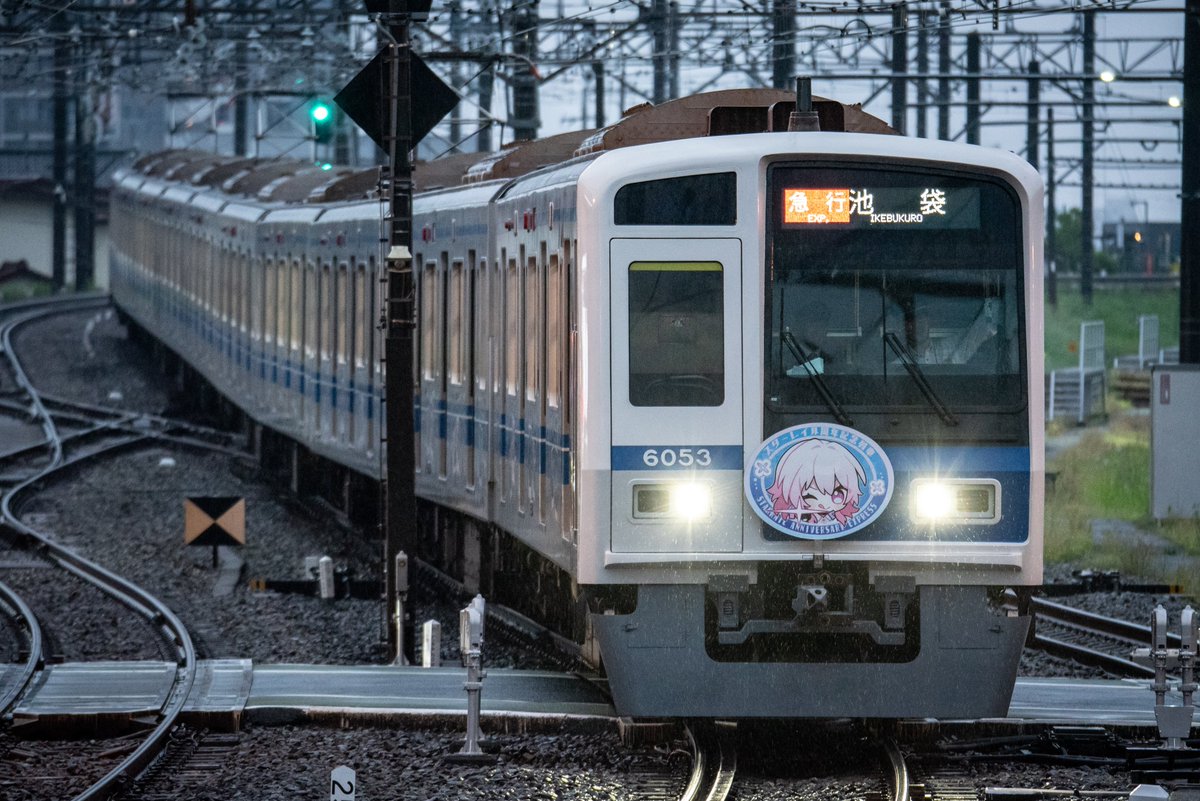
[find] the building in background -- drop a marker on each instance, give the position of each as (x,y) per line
(1145,248)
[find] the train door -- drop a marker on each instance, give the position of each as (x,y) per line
(676,395)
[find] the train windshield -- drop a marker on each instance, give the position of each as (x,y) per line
(893,291)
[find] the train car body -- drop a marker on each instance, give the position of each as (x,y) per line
(766,408)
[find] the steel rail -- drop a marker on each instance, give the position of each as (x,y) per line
(714,760)
(27,620)
(1091,624)
(1112,627)
(159,615)
(898,781)
(1084,655)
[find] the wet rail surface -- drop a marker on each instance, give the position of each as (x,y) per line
(1091,639)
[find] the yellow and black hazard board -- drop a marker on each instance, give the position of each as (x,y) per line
(214,521)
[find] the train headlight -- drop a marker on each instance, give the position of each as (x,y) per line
(681,500)
(691,500)
(963,500)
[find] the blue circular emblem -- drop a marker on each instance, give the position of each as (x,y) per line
(819,481)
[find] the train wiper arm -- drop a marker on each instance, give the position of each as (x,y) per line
(839,413)
(918,375)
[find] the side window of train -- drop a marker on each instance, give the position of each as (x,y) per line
(554,337)
(533,302)
(512,328)
(455,323)
(428,319)
(296,308)
(477,338)
(326,322)
(676,334)
(346,314)
(709,199)
(362,315)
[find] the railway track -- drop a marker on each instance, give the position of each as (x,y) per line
(1091,639)
(116,433)
(714,760)
(30,654)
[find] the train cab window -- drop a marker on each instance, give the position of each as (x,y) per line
(709,199)
(676,334)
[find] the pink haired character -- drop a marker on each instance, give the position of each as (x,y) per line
(817,482)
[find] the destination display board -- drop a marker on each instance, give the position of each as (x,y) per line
(915,207)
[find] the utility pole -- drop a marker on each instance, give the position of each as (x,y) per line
(240,99)
(899,67)
(1033,115)
(85,181)
(1051,215)
(922,69)
(1189,249)
(598,75)
(658,35)
(1089,109)
(525,121)
(487,82)
(455,72)
(673,49)
(399,320)
(973,88)
(944,73)
(62,65)
(380,100)
(783,48)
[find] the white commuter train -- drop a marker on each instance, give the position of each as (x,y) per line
(756,416)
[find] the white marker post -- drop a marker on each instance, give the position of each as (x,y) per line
(325,578)
(342,781)
(431,644)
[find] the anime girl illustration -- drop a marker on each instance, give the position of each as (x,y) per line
(817,482)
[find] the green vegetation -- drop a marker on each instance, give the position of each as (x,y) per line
(1119,309)
(21,289)
(1106,477)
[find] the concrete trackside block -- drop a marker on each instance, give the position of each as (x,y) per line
(219,693)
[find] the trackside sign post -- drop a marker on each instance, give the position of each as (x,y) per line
(396,100)
(214,521)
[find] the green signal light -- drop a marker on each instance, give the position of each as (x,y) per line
(320,112)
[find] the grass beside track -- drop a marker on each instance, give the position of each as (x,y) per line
(1106,476)
(1119,309)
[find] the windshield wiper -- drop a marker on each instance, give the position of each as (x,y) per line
(839,413)
(914,369)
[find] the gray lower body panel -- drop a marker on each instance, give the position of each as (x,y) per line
(658,667)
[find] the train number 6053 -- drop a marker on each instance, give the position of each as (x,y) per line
(676,457)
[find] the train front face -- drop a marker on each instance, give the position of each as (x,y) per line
(823,474)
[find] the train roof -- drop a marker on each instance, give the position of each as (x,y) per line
(681,158)
(718,113)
